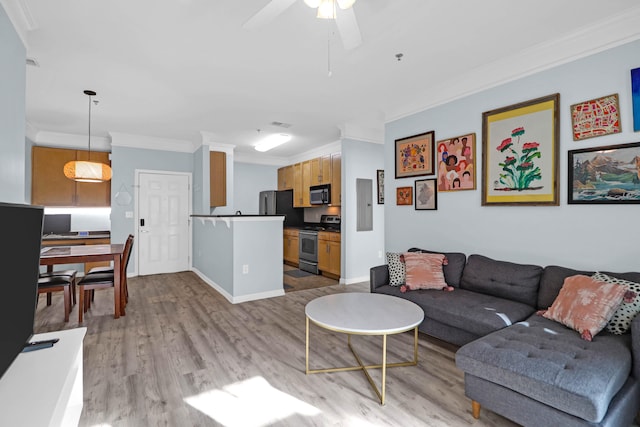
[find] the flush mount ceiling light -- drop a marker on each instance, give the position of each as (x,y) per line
(272,141)
(327,8)
(87,171)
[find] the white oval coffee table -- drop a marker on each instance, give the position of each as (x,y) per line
(365,314)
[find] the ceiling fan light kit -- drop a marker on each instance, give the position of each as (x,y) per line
(87,171)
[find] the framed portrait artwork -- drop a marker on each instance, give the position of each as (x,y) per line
(520,151)
(426,195)
(380,177)
(404,196)
(595,117)
(456,160)
(414,155)
(605,175)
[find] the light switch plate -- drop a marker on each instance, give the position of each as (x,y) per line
(128,214)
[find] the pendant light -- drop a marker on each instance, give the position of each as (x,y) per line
(87,171)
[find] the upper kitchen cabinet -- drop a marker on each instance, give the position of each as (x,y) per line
(306,183)
(321,170)
(336,176)
(49,186)
(297,185)
(217,179)
(286,179)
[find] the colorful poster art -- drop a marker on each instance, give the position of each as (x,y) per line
(414,155)
(635,98)
(456,159)
(596,117)
(404,196)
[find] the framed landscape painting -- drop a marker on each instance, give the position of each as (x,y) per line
(605,175)
(426,195)
(456,158)
(520,151)
(596,117)
(414,155)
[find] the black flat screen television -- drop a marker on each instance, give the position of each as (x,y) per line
(20,266)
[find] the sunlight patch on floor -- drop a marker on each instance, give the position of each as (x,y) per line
(250,403)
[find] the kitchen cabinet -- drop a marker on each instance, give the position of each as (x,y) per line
(285,178)
(49,186)
(321,170)
(306,183)
(329,253)
(297,186)
(291,241)
(336,176)
(217,179)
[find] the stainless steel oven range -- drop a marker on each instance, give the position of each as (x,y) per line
(308,242)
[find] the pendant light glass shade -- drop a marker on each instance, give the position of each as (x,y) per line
(87,171)
(83,171)
(326,10)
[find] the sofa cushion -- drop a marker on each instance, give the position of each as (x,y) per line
(477,313)
(424,271)
(517,282)
(553,278)
(456,262)
(548,362)
(585,304)
(621,320)
(397,272)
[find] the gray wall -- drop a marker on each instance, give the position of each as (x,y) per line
(249,181)
(581,236)
(124,162)
(12,112)
(201,181)
(360,249)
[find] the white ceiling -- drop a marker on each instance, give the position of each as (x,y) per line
(177,68)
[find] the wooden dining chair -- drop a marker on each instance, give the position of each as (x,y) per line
(67,273)
(109,269)
(62,283)
(99,280)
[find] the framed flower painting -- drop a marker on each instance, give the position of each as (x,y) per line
(520,152)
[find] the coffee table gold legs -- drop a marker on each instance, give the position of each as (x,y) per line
(384,365)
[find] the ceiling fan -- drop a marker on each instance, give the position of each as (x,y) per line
(339,10)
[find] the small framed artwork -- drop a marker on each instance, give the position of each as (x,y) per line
(380,176)
(404,196)
(596,117)
(635,98)
(605,175)
(426,195)
(456,158)
(520,151)
(414,155)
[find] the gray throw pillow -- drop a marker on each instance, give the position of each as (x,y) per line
(397,270)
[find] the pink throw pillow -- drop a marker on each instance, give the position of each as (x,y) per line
(424,271)
(585,305)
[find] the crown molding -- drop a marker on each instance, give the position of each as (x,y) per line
(144,142)
(69,140)
(615,31)
(21,17)
(332,147)
(362,133)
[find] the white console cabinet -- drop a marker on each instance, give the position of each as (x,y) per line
(44,388)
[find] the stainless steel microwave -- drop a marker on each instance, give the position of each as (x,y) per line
(320,194)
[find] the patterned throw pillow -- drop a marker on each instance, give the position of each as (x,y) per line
(397,270)
(424,271)
(585,305)
(621,320)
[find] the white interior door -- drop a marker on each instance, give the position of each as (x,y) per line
(163,223)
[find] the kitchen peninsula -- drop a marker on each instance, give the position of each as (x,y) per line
(240,256)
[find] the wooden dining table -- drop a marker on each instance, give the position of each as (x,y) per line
(53,255)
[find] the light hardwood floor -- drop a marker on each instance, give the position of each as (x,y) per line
(184,356)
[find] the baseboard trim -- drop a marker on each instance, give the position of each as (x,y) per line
(238,299)
(354,280)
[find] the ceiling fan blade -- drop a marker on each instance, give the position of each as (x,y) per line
(267,13)
(348,28)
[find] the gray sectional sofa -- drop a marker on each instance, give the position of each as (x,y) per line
(527,368)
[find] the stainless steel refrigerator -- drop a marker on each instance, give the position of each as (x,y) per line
(281,203)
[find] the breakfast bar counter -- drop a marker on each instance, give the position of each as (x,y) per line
(240,256)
